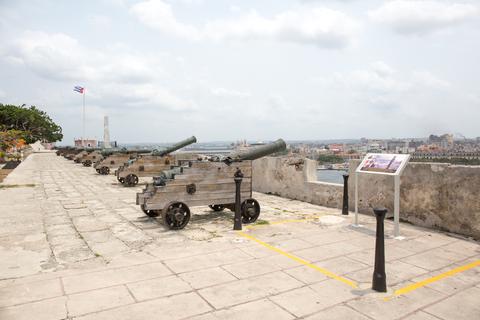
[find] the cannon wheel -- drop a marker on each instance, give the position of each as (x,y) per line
(87,163)
(176,215)
(104,170)
(121,180)
(216,207)
(98,170)
(130,180)
(150,213)
(250,210)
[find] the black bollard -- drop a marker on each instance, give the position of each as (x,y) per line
(345,194)
(237,222)
(379,282)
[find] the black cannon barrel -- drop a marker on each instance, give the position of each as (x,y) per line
(109,152)
(257,152)
(175,147)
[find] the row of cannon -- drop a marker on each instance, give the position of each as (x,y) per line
(180,180)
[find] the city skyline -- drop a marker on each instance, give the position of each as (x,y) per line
(230,70)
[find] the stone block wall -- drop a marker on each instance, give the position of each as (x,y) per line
(441,196)
(295,178)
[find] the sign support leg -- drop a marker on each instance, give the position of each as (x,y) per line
(356,199)
(396,207)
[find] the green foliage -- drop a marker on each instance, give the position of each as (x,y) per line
(34,123)
(329,158)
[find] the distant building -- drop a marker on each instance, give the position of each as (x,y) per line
(85,143)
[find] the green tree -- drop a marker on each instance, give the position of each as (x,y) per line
(33,122)
(329,158)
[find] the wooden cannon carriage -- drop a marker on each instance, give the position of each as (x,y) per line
(69,153)
(78,158)
(113,159)
(204,183)
(151,164)
(91,158)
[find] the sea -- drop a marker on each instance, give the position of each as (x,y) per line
(331,176)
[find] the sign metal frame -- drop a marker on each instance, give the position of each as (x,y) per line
(396,178)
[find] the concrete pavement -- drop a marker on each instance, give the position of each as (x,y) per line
(73,245)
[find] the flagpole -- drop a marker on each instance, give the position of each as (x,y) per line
(83,139)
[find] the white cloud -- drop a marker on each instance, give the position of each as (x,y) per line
(112,72)
(423,16)
(222,92)
(311,25)
(100,22)
(158,15)
(427,79)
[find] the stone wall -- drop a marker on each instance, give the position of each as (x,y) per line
(434,195)
(437,195)
(295,178)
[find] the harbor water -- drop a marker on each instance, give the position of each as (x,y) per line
(331,176)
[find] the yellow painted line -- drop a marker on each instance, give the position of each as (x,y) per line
(436,278)
(299,260)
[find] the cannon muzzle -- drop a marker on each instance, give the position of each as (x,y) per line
(256,152)
(175,147)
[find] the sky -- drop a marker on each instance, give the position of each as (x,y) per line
(163,70)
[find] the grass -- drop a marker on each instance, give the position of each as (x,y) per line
(260,222)
(16,185)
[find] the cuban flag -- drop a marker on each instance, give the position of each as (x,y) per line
(79,89)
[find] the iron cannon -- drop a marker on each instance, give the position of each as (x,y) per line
(204,183)
(151,164)
(114,158)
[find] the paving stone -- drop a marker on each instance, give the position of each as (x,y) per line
(375,307)
(391,253)
(463,305)
(207,277)
(160,287)
(252,268)
(51,309)
(327,251)
(98,300)
(429,260)
(307,300)
(228,294)
(306,274)
(111,277)
(396,272)
(420,315)
(22,293)
(176,307)
(341,265)
(338,313)
(205,261)
(264,309)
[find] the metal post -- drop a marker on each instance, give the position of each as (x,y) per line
(345,194)
(396,207)
(237,222)
(83,119)
(379,282)
(356,198)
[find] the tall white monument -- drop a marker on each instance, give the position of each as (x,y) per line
(106,133)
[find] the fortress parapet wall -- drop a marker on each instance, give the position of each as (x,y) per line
(434,195)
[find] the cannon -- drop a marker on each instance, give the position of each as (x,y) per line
(60,151)
(151,164)
(91,158)
(78,158)
(204,183)
(115,158)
